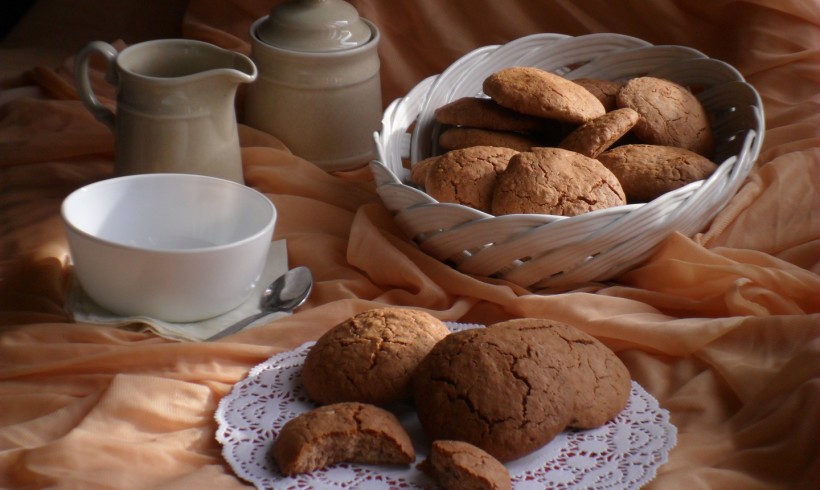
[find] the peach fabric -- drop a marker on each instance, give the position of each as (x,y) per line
(722,328)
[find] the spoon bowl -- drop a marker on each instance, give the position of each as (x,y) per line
(286,293)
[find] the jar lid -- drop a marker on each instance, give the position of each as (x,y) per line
(314,26)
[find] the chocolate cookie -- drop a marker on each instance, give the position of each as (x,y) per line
(600,381)
(479,112)
(603,90)
(670,114)
(596,136)
(457,465)
(468,176)
(499,389)
(543,94)
(649,171)
(343,432)
(370,357)
(555,181)
(458,138)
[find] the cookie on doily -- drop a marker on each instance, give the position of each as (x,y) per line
(371,356)
(342,432)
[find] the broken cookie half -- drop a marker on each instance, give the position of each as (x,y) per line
(343,432)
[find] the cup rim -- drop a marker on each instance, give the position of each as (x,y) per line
(267,203)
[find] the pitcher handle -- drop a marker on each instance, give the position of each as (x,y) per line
(84,89)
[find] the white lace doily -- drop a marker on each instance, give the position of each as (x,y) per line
(624,453)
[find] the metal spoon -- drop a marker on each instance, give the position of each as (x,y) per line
(286,293)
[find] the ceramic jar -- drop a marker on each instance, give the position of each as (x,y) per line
(318,89)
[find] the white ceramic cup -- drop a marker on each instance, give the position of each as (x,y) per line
(175,247)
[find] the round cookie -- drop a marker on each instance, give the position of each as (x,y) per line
(498,389)
(371,356)
(649,171)
(343,432)
(458,138)
(468,176)
(603,90)
(670,114)
(479,112)
(460,465)
(418,172)
(599,378)
(596,136)
(555,181)
(543,94)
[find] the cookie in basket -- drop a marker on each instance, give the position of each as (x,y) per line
(670,114)
(540,93)
(596,136)
(460,465)
(649,171)
(483,113)
(371,356)
(499,389)
(456,138)
(603,90)
(555,181)
(468,176)
(419,170)
(343,432)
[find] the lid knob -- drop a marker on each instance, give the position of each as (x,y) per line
(314,26)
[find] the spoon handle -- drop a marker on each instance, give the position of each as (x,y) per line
(239,325)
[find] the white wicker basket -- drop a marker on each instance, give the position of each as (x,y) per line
(543,251)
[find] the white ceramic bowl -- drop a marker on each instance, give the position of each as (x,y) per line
(175,247)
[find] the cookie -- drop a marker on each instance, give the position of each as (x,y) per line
(343,432)
(458,138)
(370,357)
(670,114)
(499,389)
(457,465)
(418,172)
(468,176)
(555,181)
(479,112)
(603,90)
(600,380)
(649,171)
(543,94)
(596,136)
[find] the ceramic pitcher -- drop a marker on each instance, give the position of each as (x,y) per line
(175,105)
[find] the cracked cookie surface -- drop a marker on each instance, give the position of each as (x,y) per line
(498,389)
(649,171)
(555,181)
(342,432)
(543,94)
(600,381)
(670,114)
(371,356)
(467,176)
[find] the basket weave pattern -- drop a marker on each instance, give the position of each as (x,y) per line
(543,251)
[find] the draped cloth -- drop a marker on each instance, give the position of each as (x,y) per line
(723,328)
